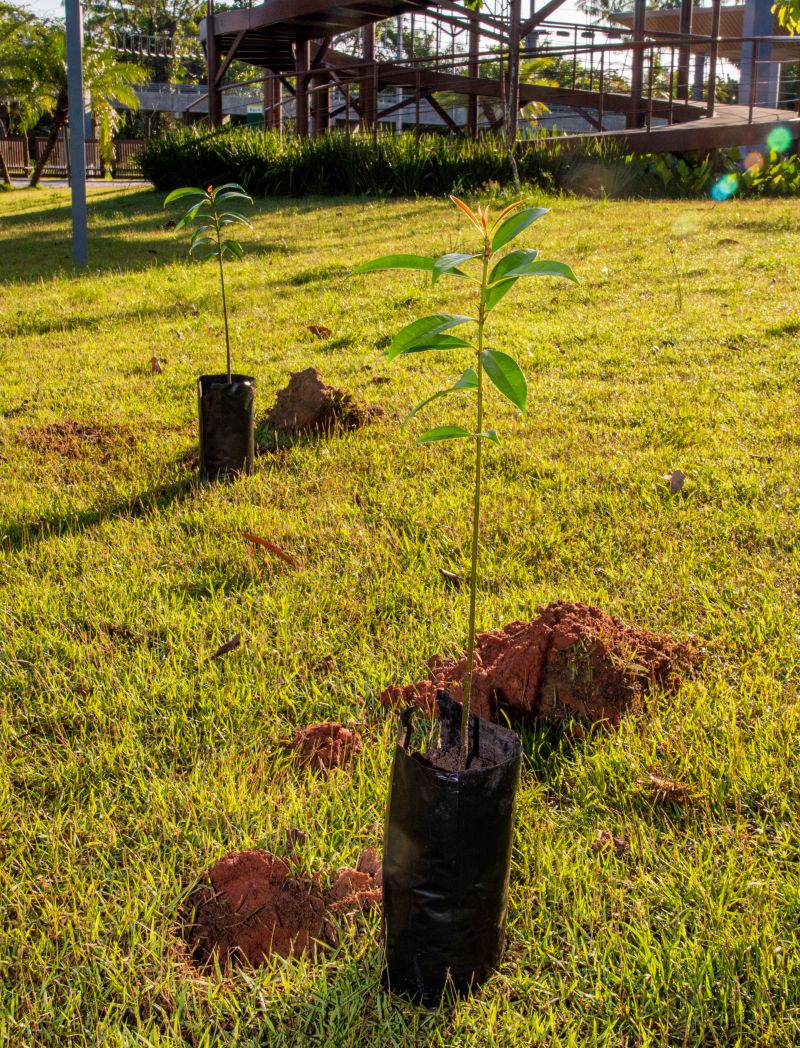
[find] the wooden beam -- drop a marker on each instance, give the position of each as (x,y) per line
(226,61)
(540,16)
(443,114)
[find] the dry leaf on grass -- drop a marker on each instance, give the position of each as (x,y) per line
(320,331)
(230,645)
(451,578)
(156,365)
(274,549)
(667,791)
(607,842)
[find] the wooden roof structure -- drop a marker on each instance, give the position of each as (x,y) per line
(293,41)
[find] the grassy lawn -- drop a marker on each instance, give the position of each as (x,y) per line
(129,760)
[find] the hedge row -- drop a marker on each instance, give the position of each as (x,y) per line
(432,165)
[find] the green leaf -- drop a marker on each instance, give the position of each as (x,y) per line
(497,292)
(234,196)
(512,262)
(234,248)
(542,268)
(490,434)
(419,334)
(230,218)
(523,268)
(204,242)
(431,343)
(447,264)
(176,194)
(515,224)
(191,214)
(201,230)
(506,375)
(443,433)
(231,185)
(397,262)
(469,380)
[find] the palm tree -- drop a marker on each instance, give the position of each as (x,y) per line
(34,82)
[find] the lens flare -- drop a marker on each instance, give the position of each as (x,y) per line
(779,139)
(754,161)
(725,187)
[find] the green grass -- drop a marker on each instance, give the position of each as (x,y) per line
(129,761)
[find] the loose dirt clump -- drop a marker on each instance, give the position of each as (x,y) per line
(250,905)
(357,891)
(571,661)
(324,746)
(73,440)
(307,405)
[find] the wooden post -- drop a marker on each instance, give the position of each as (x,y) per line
(634,118)
(273,111)
(473,71)
(367,92)
(212,61)
(302,61)
(716,13)
(685,29)
(512,88)
(320,104)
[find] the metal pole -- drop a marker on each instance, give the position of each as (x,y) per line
(77,148)
(399,56)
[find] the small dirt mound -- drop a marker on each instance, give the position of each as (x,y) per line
(307,405)
(72,440)
(324,746)
(571,661)
(249,905)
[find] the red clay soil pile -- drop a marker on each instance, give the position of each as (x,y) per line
(307,405)
(249,905)
(324,746)
(571,661)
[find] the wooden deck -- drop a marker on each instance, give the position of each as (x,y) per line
(730,127)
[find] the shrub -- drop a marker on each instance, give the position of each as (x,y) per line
(338,164)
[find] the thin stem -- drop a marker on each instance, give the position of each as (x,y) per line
(476,516)
(224,303)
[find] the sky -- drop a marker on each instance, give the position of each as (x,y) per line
(55,8)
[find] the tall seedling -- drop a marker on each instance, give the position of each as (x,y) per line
(497,278)
(209,239)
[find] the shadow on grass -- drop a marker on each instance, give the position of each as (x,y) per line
(113,220)
(19,535)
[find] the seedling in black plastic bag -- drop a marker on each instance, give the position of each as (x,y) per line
(209,239)
(497,278)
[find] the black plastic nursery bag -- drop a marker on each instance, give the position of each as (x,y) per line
(447,858)
(227,441)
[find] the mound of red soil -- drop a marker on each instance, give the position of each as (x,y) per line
(324,746)
(572,660)
(249,905)
(307,405)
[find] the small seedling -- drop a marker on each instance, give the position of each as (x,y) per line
(497,278)
(209,239)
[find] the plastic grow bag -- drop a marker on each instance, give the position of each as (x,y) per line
(227,440)
(447,859)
